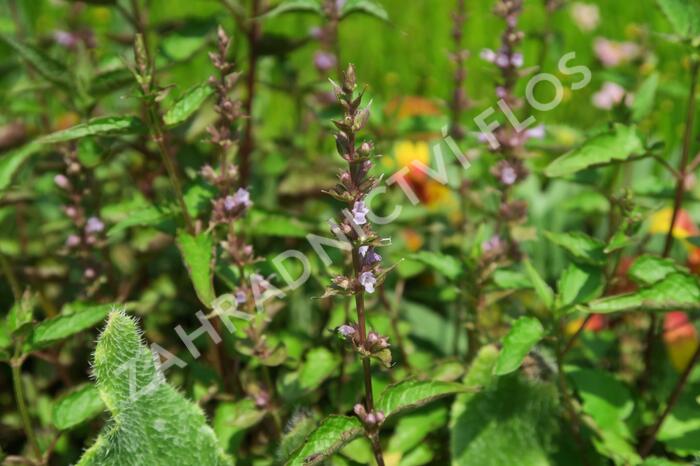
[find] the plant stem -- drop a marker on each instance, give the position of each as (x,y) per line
(16,364)
(646,447)
(677,206)
(164,150)
(366,365)
(254,33)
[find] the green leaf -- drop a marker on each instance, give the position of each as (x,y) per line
(58,328)
(13,160)
(510,418)
(508,279)
(152,423)
(644,98)
(262,223)
(329,437)
(76,407)
(684,16)
(151,215)
(231,420)
(581,246)
(290,6)
(676,292)
(544,292)
(101,126)
(368,7)
(648,269)
(187,104)
(443,264)
(413,427)
(615,145)
(410,394)
(318,366)
(525,333)
(109,81)
(579,284)
(49,69)
(197,254)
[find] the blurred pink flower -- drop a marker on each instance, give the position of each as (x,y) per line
(585,15)
(612,53)
(609,95)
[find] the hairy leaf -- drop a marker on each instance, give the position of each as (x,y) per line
(63,326)
(615,145)
(525,333)
(151,423)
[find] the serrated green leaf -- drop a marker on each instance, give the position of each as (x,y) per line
(290,6)
(57,328)
(109,81)
(581,246)
(197,253)
(508,279)
(13,160)
(368,7)
(331,435)
(644,98)
(410,394)
(579,284)
(101,126)
(49,69)
(525,333)
(648,269)
(152,422)
(615,145)
(544,292)
(684,16)
(187,104)
(443,264)
(676,292)
(77,406)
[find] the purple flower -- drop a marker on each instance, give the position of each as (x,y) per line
(502,60)
(72,241)
(324,61)
(61,181)
(94,225)
(488,55)
(240,198)
(369,255)
(537,132)
(368,280)
(492,244)
(346,330)
(517,60)
(609,95)
(359,213)
(65,38)
(508,175)
(241,297)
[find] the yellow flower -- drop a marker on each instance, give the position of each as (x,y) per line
(660,222)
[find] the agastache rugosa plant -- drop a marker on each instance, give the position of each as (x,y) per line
(367,273)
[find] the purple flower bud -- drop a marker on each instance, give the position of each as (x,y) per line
(72,241)
(537,132)
(89,273)
(65,38)
(492,244)
(242,197)
(346,330)
(508,175)
(369,255)
(380,416)
(359,409)
(517,60)
(241,297)
(229,203)
(94,225)
(372,338)
(324,61)
(61,181)
(371,418)
(502,60)
(368,280)
(359,213)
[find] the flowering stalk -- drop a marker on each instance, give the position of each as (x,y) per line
(367,274)
(459,56)
(328,57)
(150,93)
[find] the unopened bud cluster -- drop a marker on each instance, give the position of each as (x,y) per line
(373,345)
(371,420)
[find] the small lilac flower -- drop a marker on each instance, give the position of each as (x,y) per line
(359,213)
(229,203)
(488,55)
(241,297)
(492,244)
(368,280)
(65,38)
(346,330)
(508,175)
(369,255)
(324,61)
(94,225)
(537,132)
(61,181)
(517,60)
(502,60)
(585,15)
(609,95)
(611,53)
(242,197)
(501,92)
(72,241)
